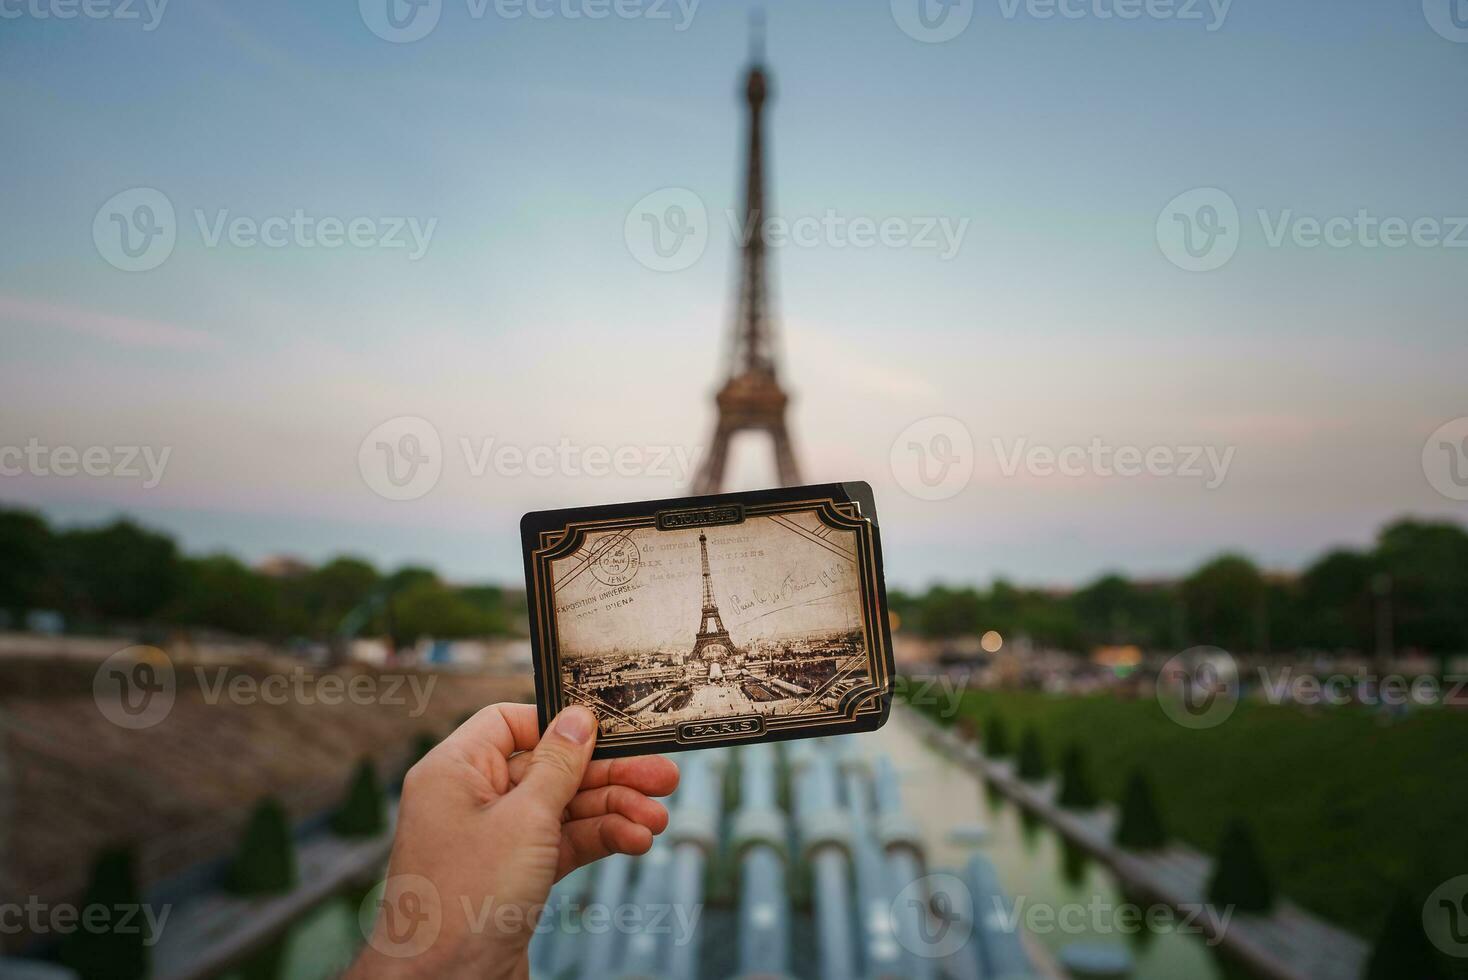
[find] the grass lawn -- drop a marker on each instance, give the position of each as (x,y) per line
(1346,808)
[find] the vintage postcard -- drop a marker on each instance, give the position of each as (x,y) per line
(712,620)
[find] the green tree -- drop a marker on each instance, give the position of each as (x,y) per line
(433,609)
(996,738)
(265,862)
(1402,950)
(364,811)
(26,581)
(949,612)
(1225,604)
(219,592)
(1031,763)
(335,589)
(1140,827)
(1076,789)
(118,572)
(1426,569)
(1112,610)
(1240,877)
(110,954)
(1336,605)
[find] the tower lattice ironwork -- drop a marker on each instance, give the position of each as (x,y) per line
(711,631)
(751,397)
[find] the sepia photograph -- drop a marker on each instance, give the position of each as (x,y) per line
(714,631)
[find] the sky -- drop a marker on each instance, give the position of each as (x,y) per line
(1051,279)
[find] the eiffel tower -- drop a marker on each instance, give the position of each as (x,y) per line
(751,397)
(711,631)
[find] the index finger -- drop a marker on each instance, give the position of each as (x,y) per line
(501,728)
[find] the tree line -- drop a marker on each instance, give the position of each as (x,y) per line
(122,574)
(1409,590)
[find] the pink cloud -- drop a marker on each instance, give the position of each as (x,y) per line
(125,330)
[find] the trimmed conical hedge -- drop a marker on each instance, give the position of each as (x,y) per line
(1402,950)
(1076,789)
(1141,827)
(1240,878)
(265,863)
(364,811)
(1032,763)
(996,738)
(110,953)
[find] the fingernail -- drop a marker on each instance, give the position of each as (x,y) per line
(575,724)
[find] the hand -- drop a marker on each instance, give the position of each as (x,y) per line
(489,820)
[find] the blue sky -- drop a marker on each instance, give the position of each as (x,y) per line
(523,143)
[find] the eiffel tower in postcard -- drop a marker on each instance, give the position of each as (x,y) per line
(712,640)
(751,397)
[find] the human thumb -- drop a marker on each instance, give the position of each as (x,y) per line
(558,763)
